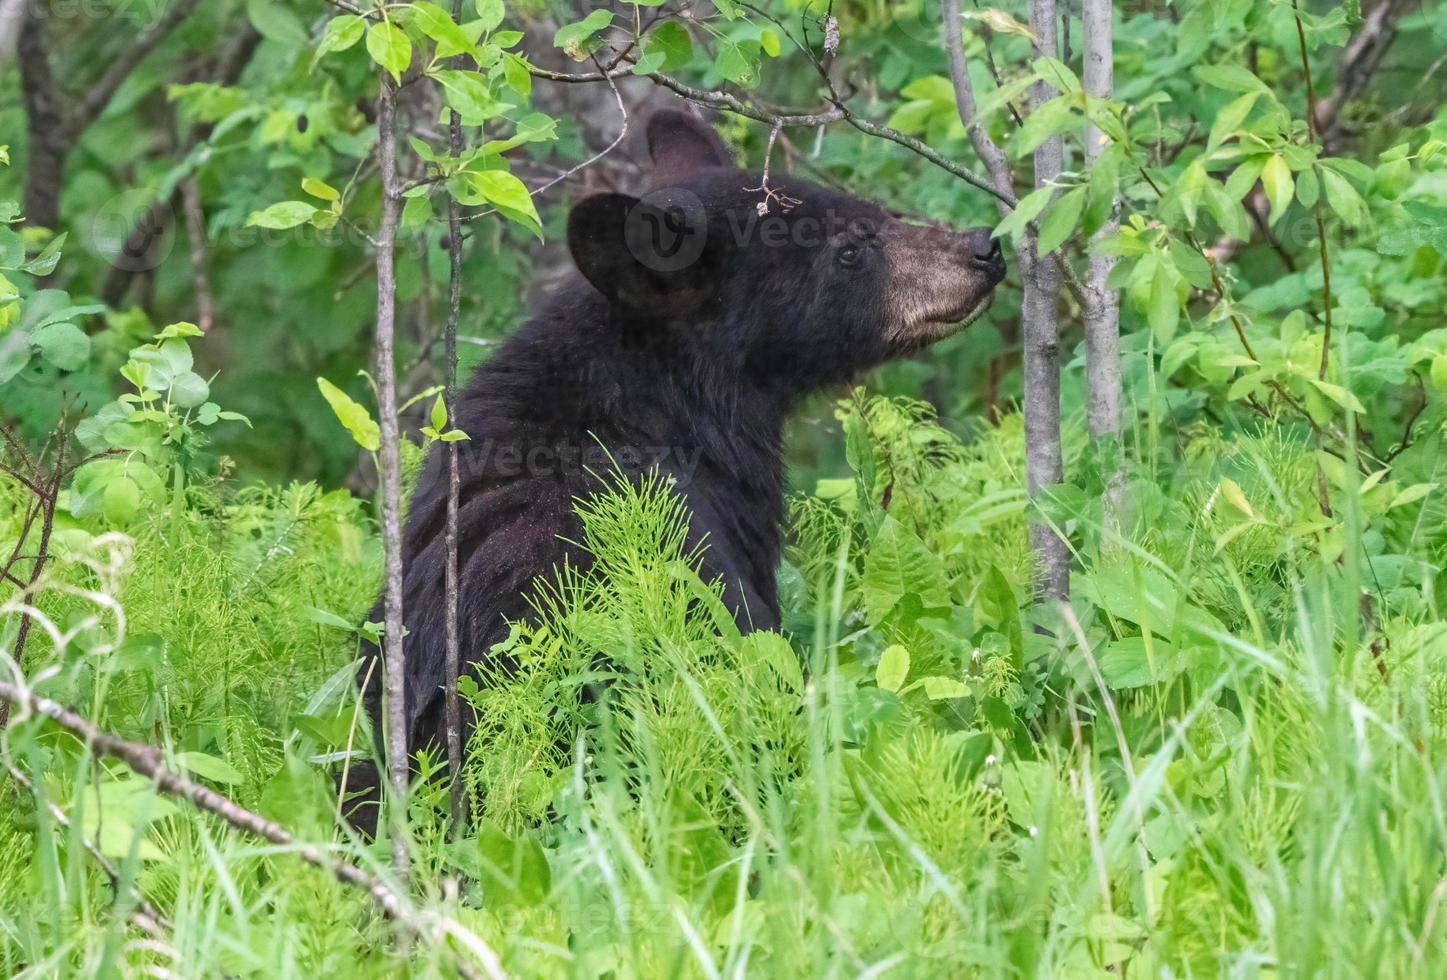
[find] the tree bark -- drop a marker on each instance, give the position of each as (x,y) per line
(453,654)
(49,139)
(1043,464)
(1102,307)
(391,471)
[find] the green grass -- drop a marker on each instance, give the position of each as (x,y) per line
(1225,760)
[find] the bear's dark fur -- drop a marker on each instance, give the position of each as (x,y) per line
(703,312)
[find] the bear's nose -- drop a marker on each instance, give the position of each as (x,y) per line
(984,248)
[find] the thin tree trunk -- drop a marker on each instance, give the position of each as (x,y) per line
(1102,309)
(49,138)
(1043,465)
(391,467)
(453,658)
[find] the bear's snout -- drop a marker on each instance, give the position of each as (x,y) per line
(985,252)
(940,280)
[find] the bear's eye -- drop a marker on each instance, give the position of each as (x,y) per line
(850,256)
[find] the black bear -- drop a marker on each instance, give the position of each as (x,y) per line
(702,313)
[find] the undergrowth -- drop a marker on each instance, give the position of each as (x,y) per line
(1222,758)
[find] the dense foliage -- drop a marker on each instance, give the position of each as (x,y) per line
(1221,756)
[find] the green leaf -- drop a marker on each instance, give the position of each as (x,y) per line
(1308,187)
(209,767)
(1164,311)
(1058,75)
(1229,119)
(467,92)
(343,31)
(515,72)
(283,214)
(1280,187)
(579,38)
(390,48)
(668,48)
(489,14)
(504,190)
(1049,118)
(1232,78)
(1411,494)
(438,24)
(353,416)
(439,414)
(738,61)
(121,500)
(45,261)
(416,212)
(769,41)
(898,564)
(1014,224)
(62,344)
(1343,198)
(1340,395)
(938,688)
(320,188)
(1060,220)
(893,668)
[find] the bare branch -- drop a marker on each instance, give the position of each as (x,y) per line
(146,760)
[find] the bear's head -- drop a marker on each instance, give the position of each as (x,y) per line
(793,281)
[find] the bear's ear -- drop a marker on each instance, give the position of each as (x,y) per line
(680,144)
(645,255)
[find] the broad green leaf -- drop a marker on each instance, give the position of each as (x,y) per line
(1164,312)
(1343,198)
(1280,187)
(893,668)
(938,688)
(284,214)
(353,416)
(209,767)
(579,38)
(515,72)
(1048,119)
(1057,74)
(321,189)
(489,14)
(504,190)
(1340,395)
(668,48)
(1016,222)
(343,31)
(438,24)
(63,344)
(467,93)
(1232,78)
(738,61)
(898,564)
(390,48)
(1229,119)
(1411,494)
(1060,219)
